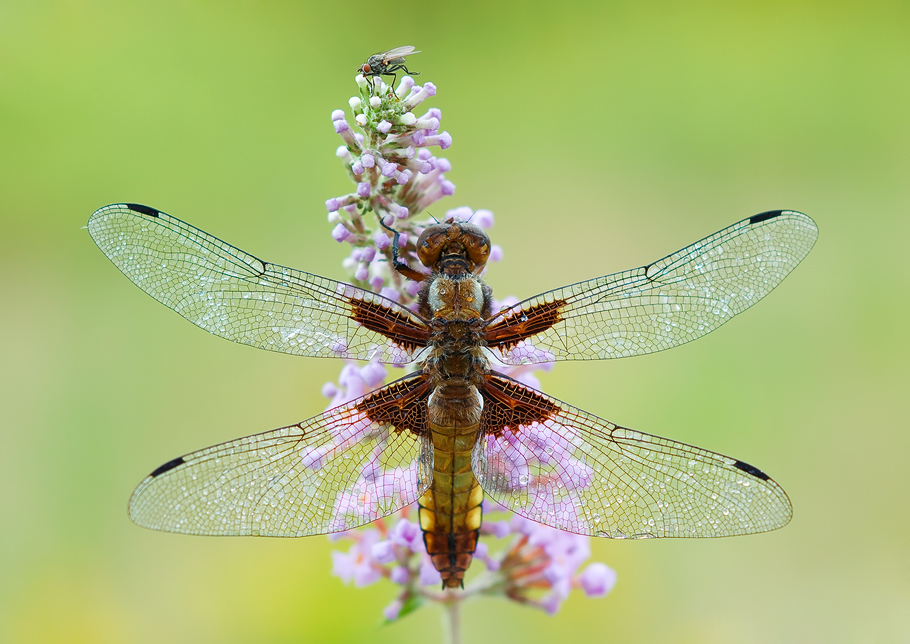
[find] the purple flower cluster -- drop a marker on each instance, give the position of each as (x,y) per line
(539,567)
(545,560)
(396,178)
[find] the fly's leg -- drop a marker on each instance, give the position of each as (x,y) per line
(390,71)
(370,78)
(406,70)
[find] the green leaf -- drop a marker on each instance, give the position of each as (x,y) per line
(412,603)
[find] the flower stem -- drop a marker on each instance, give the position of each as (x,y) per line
(452,621)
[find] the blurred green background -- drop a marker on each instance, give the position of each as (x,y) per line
(603,135)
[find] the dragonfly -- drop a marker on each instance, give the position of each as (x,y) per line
(455,429)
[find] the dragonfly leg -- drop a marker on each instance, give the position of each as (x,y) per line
(400,265)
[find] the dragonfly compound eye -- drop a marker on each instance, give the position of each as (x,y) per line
(431,242)
(476,243)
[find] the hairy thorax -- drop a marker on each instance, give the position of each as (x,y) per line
(456,364)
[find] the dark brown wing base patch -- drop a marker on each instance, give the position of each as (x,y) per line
(392,324)
(507,403)
(509,331)
(402,404)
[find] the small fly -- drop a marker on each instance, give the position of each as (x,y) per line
(387,63)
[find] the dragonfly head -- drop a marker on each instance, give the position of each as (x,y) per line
(454,244)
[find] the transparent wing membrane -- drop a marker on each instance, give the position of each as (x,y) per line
(333,472)
(667,303)
(398,52)
(236,296)
(574,471)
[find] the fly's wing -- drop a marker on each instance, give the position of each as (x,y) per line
(344,468)
(234,295)
(667,303)
(398,52)
(558,465)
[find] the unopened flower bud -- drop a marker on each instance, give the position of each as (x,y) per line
(340,233)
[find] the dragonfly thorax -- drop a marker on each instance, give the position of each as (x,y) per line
(459,297)
(457,307)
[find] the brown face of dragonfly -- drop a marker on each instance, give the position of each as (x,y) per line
(454,246)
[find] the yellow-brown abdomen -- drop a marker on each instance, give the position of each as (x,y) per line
(450,510)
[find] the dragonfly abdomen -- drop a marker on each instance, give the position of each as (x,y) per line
(450,511)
